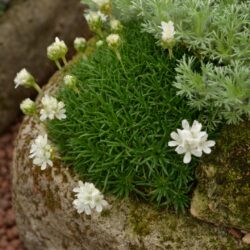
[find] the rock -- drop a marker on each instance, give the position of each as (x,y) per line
(246,238)
(27,28)
(223,190)
(47,220)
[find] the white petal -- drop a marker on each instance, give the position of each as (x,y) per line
(180,150)
(187,158)
(173,143)
(210,143)
(207,150)
(196,127)
(175,136)
(185,124)
(197,152)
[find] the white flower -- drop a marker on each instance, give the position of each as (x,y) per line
(88,197)
(191,141)
(167,31)
(24,78)
(28,107)
(115,25)
(69,80)
(101,3)
(52,109)
(80,44)
(57,50)
(95,19)
(41,152)
(113,40)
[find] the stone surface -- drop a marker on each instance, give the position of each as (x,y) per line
(223,191)
(47,219)
(27,28)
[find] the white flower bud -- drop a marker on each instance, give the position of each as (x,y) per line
(113,41)
(115,25)
(80,44)
(28,107)
(99,43)
(70,81)
(104,5)
(57,50)
(24,78)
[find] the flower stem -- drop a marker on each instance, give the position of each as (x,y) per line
(170,52)
(37,88)
(64,60)
(58,65)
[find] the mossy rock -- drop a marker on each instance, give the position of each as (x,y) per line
(47,220)
(223,191)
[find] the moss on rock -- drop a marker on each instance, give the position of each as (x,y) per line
(223,191)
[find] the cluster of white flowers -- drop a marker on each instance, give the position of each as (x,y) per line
(95,20)
(28,107)
(56,51)
(191,141)
(88,198)
(52,109)
(113,41)
(41,152)
(168,31)
(70,81)
(115,25)
(80,44)
(24,78)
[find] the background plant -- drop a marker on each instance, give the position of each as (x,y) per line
(217,33)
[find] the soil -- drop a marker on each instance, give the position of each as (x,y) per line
(9,238)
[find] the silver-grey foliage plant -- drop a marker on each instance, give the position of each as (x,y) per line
(218,34)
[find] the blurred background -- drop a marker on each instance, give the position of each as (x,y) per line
(27,27)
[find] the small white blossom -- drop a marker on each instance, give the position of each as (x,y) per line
(57,50)
(70,81)
(95,19)
(41,152)
(191,141)
(52,109)
(168,31)
(24,78)
(80,44)
(88,197)
(28,107)
(115,25)
(101,3)
(113,40)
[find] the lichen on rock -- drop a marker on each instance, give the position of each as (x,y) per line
(223,191)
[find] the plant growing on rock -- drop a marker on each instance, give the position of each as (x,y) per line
(125,100)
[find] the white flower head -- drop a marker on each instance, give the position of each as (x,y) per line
(191,141)
(95,19)
(28,107)
(41,152)
(88,198)
(24,78)
(115,25)
(57,50)
(52,109)
(70,81)
(168,31)
(113,40)
(80,44)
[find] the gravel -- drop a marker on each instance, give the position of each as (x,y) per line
(9,238)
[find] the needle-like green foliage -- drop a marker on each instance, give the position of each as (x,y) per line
(120,119)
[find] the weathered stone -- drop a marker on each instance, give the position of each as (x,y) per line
(26,29)
(246,238)
(47,219)
(223,191)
